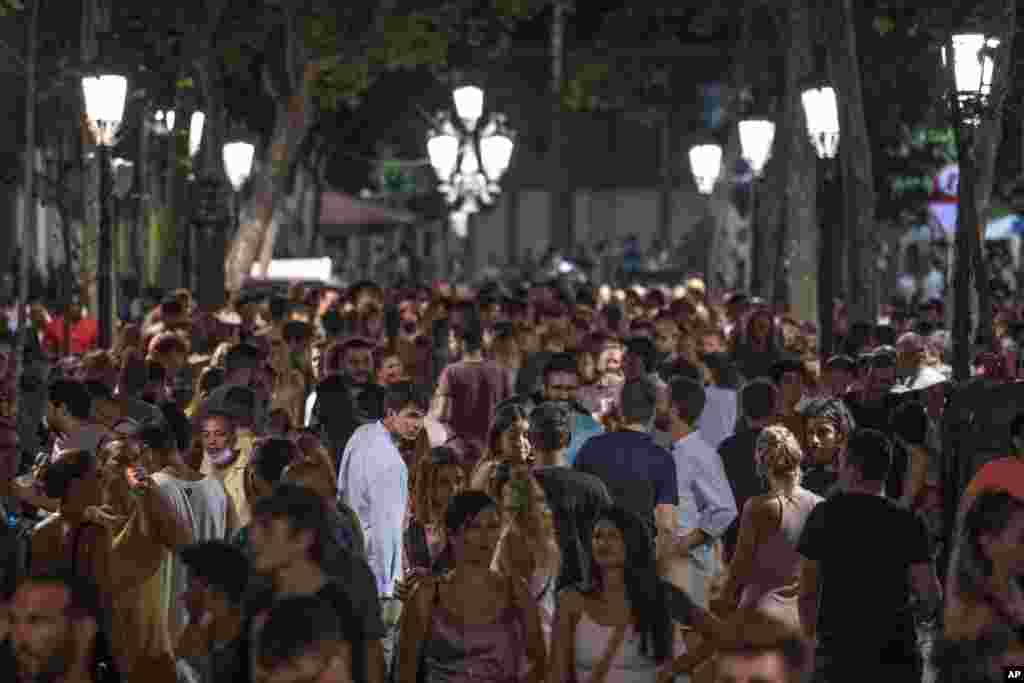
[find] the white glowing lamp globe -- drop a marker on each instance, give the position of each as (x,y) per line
(496,155)
(195,132)
(169,117)
(238,157)
(822,115)
(469,104)
(972,63)
(756,137)
(443,150)
(706,164)
(104,105)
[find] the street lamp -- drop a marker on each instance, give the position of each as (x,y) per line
(238,158)
(195,132)
(973,66)
(469,157)
(756,137)
(165,121)
(970,57)
(706,164)
(822,115)
(104,106)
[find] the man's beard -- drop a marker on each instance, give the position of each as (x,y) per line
(51,670)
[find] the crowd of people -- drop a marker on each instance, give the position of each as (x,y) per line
(553,482)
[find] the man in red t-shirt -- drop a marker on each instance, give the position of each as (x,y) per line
(85,332)
(1001,474)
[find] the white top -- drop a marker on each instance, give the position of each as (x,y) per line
(203,505)
(718,421)
(310,402)
(628,665)
(374,481)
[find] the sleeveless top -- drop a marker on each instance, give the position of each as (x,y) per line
(628,666)
(773,584)
(479,653)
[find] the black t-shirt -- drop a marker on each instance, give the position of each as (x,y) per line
(351,591)
(864,545)
(576,499)
(737,453)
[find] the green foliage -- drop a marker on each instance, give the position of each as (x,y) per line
(409,41)
(583,90)
(340,81)
(518,10)
(10,6)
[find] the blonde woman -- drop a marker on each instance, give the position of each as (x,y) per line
(765,570)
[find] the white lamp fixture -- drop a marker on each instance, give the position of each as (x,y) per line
(470,160)
(443,150)
(822,115)
(496,147)
(972,63)
(195,132)
(238,158)
(756,137)
(469,105)
(104,105)
(706,164)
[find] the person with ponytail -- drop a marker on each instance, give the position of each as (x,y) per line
(472,624)
(765,571)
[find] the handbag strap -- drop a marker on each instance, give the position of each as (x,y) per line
(612,649)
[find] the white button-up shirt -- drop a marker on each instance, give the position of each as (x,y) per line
(706,501)
(374,481)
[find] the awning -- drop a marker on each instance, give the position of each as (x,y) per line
(342,214)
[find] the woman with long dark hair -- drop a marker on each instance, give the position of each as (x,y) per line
(618,629)
(473,624)
(507,442)
(335,414)
(439,478)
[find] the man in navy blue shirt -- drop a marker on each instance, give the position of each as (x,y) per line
(639,474)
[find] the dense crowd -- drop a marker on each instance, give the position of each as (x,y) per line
(547,482)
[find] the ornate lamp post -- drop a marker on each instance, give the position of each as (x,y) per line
(104,106)
(970,57)
(822,115)
(469,158)
(756,138)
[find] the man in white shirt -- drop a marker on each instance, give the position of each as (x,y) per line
(706,503)
(374,481)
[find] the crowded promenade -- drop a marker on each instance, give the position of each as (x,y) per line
(546,481)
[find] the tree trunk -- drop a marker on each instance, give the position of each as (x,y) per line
(797,266)
(559,182)
(855,161)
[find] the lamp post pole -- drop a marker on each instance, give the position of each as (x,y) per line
(106,251)
(966,221)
